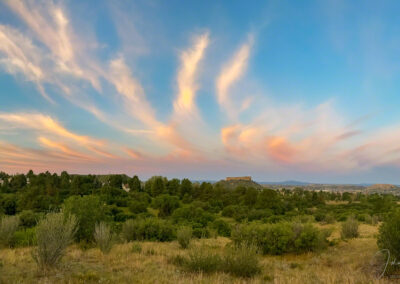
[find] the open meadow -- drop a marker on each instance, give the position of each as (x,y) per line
(151,262)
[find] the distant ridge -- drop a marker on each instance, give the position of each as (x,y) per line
(383,188)
(287,182)
(235,183)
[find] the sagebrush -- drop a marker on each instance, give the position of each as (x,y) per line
(53,234)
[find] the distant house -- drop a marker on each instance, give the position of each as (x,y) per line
(247,178)
(126,187)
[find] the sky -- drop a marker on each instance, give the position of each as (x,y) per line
(278,90)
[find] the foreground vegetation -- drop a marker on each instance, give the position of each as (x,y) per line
(155,262)
(80,229)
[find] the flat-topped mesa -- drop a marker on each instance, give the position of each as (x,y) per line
(248,178)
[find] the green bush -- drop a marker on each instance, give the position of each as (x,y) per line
(137,207)
(25,238)
(349,228)
(152,229)
(389,234)
(329,219)
(201,233)
(191,215)
(238,261)
(281,237)
(28,218)
(53,233)
(166,204)
(242,261)
(184,235)
(8,227)
(88,211)
(201,259)
(374,220)
(222,227)
(309,238)
(136,248)
(103,237)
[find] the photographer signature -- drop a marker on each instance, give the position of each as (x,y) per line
(388,262)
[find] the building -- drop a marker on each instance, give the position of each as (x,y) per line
(126,187)
(247,178)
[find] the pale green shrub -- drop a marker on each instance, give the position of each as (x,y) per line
(53,233)
(8,227)
(103,237)
(349,228)
(184,235)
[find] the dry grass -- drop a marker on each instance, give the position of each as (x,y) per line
(346,262)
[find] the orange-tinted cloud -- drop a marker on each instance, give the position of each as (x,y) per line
(185,101)
(231,73)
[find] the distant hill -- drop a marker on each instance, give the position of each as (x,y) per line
(287,182)
(383,188)
(232,184)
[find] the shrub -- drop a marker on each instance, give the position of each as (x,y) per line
(88,211)
(166,204)
(8,226)
(190,214)
(277,238)
(242,261)
(349,229)
(202,260)
(103,237)
(281,237)
(389,234)
(152,229)
(25,238)
(136,248)
(184,235)
(222,227)
(28,218)
(137,207)
(320,216)
(309,238)
(201,233)
(374,220)
(329,219)
(53,233)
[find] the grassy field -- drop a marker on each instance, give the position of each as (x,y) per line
(346,262)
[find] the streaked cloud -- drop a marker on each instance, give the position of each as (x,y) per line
(132,92)
(231,73)
(46,47)
(45,124)
(187,87)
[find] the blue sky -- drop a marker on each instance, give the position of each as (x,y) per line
(305,90)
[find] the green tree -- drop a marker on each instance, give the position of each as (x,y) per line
(250,197)
(166,204)
(88,210)
(186,187)
(18,182)
(173,186)
(389,234)
(135,184)
(158,186)
(65,180)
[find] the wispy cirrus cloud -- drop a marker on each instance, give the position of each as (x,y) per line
(45,125)
(18,55)
(132,93)
(187,87)
(231,73)
(50,50)
(50,24)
